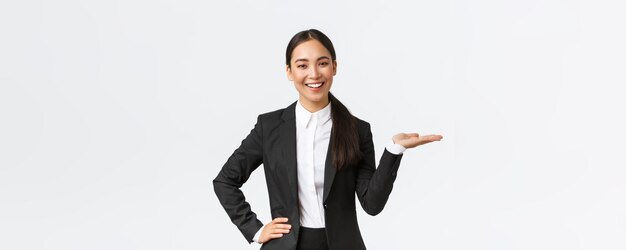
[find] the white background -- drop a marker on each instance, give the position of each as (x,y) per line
(115,116)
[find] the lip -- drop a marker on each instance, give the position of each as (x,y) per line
(311,83)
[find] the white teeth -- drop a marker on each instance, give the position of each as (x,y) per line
(316,85)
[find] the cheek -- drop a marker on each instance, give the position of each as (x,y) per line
(299,77)
(329,72)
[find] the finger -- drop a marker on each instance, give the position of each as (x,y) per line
(280,220)
(274,236)
(279,231)
(413,135)
(282,226)
(433,137)
(427,139)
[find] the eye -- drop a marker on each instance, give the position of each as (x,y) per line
(301,66)
(323,63)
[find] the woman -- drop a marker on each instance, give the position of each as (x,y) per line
(316,157)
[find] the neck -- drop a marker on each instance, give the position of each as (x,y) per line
(313,106)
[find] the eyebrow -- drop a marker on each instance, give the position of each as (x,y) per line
(306,60)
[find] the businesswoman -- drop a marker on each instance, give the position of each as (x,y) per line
(316,156)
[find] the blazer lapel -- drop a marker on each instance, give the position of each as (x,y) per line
(329,171)
(287,133)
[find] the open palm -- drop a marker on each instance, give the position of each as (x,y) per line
(411,140)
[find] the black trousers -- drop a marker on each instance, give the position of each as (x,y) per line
(312,239)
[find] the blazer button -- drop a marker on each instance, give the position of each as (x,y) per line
(324,206)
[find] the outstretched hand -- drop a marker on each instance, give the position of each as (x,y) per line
(413,139)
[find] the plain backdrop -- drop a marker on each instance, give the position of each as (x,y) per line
(115,116)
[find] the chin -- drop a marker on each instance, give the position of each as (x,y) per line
(314,99)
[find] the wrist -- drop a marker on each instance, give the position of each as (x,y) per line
(395,148)
(257,236)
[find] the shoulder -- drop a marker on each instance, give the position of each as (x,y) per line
(283,113)
(363,126)
(272,115)
(361,122)
(273,118)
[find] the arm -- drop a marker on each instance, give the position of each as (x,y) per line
(233,175)
(373,185)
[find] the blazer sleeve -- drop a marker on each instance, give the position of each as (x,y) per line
(233,175)
(374,185)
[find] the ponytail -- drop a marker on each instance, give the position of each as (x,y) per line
(344,141)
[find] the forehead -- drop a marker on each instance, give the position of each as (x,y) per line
(311,50)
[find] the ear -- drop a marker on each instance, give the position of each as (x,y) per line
(334,67)
(289,73)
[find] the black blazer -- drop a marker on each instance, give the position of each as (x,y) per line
(272,143)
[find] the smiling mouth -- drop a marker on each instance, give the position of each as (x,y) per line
(316,85)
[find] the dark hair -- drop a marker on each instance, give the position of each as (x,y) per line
(344,140)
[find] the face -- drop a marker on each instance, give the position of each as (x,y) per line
(312,70)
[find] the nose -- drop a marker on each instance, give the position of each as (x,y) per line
(314,73)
